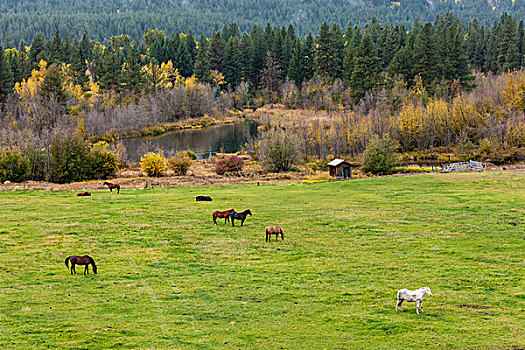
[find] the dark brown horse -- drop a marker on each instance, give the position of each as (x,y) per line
(239,216)
(112,186)
(274,230)
(223,215)
(81,260)
(84,194)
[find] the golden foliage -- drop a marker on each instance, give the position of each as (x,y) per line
(514,91)
(154,164)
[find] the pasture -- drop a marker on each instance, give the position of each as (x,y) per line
(168,278)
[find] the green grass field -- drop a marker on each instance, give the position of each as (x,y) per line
(169,279)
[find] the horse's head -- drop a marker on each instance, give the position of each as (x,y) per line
(105,183)
(427,290)
(95,268)
(248,212)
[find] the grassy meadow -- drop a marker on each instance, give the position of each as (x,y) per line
(169,279)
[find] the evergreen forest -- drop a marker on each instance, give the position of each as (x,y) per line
(102,19)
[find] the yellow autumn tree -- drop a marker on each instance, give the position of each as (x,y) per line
(514,91)
(410,124)
(170,75)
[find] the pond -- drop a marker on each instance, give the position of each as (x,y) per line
(227,138)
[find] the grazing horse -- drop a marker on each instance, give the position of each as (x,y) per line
(81,260)
(274,230)
(203,199)
(222,214)
(84,194)
(415,295)
(112,186)
(239,216)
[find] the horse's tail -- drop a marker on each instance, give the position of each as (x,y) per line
(67,261)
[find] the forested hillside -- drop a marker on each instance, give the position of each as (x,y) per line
(101,19)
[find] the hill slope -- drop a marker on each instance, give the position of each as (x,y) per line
(21,19)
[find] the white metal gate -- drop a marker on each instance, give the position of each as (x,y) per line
(463,166)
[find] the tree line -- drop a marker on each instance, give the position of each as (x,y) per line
(442,53)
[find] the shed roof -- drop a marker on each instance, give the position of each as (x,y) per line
(337,162)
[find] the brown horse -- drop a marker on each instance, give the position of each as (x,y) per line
(222,214)
(112,186)
(274,230)
(81,260)
(84,194)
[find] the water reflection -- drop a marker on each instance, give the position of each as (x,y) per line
(205,142)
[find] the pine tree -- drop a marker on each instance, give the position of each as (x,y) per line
(508,40)
(365,75)
(231,62)
(173,44)
(110,73)
(23,56)
(202,64)
(308,54)
(491,55)
(521,43)
(296,69)
(37,51)
(79,66)
(185,65)
(55,49)
(425,59)
(259,46)
(192,46)
(338,52)
(216,52)
(132,75)
(67,49)
(324,54)
(245,57)
(87,47)
(13,62)
(53,85)
(6,77)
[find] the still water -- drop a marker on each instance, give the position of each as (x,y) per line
(205,142)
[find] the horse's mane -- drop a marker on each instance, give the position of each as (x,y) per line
(91,260)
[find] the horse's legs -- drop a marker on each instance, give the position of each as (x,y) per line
(233,222)
(86,270)
(399,304)
(421,306)
(242,222)
(226,219)
(417,306)
(215,220)
(266,236)
(118,190)
(73,269)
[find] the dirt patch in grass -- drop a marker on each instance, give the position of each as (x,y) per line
(477,307)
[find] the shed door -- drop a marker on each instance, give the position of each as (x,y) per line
(346,172)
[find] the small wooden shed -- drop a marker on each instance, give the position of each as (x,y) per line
(340,168)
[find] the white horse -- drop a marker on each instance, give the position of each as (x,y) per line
(412,295)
